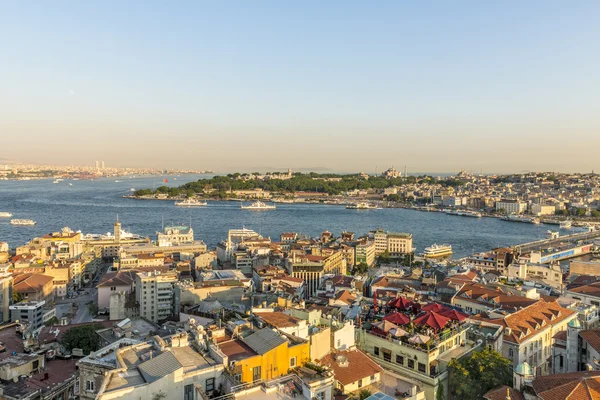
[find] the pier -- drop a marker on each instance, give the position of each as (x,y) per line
(561,248)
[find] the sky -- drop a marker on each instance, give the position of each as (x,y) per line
(492,86)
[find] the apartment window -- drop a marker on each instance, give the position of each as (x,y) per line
(90,385)
(372,378)
(376,350)
(411,363)
(360,383)
(399,359)
(188,392)
(209,385)
(560,361)
(387,356)
(113,288)
(422,367)
(320,396)
(237,378)
(293,362)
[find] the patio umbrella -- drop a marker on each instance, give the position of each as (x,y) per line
(455,315)
(419,339)
(401,303)
(433,307)
(397,318)
(432,319)
(398,332)
(385,326)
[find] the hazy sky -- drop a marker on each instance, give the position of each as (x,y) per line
(501,86)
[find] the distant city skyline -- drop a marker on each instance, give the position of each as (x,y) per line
(345,86)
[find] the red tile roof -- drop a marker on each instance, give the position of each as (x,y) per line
(500,394)
(583,385)
(359,366)
(592,336)
(531,320)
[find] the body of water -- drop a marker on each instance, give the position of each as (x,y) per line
(93,206)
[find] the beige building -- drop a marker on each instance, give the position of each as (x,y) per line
(425,365)
(154,293)
(542,209)
(529,332)
(399,243)
(511,206)
(6,282)
(365,253)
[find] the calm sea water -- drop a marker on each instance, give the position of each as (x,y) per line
(92,207)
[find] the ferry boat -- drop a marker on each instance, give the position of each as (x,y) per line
(362,205)
(258,206)
(521,218)
(282,200)
(4,214)
(437,251)
(566,224)
(22,222)
(191,203)
(473,214)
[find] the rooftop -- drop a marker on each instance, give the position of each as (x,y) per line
(350,366)
(279,319)
(264,340)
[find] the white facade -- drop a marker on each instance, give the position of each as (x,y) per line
(511,206)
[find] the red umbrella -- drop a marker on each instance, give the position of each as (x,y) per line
(401,303)
(455,315)
(434,307)
(397,318)
(432,319)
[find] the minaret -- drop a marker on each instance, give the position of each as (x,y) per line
(117,230)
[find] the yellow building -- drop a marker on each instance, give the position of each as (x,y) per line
(264,355)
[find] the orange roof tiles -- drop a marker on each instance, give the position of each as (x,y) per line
(359,366)
(583,385)
(592,336)
(279,319)
(530,320)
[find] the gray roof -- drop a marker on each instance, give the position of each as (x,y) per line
(160,366)
(264,340)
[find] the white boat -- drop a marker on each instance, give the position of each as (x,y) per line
(565,224)
(437,251)
(191,203)
(4,214)
(132,190)
(56,181)
(70,184)
(552,235)
(521,218)
(258,206)
(473,214)
(362,205)
(22,222)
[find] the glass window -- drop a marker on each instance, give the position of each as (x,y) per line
(293,362)
(411,363)
(188,391)
(360,383)
(399,359)
(387,356)
(90,385)
(376,350)
(209,384)
(422,367)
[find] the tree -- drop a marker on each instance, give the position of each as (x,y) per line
(474,376)
(440,395)
(82,337)
(360,268)
(581,212)
(595,213)
(17,297)
(51,321)
(363,394)
(384,258)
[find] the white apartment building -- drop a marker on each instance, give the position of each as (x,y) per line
(154,292)
(542,209)
(175,235)
(511,206)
